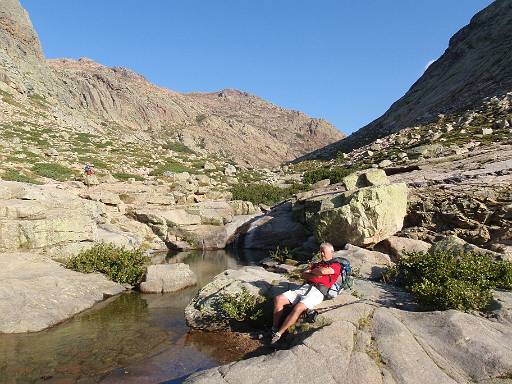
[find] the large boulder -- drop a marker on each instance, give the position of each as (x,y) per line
(425,151)
(203,312)
(366,178)
(168,278)
(362,217)
(241,207)
(91,180)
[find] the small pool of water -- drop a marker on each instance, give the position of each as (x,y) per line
(130,338)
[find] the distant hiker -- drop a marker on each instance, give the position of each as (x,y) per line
(319,278)
(89,169)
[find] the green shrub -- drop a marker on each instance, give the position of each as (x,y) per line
(245,307)
(125,176)
(119,264)
(200,118)
(335,174)
(264,193)
(280,255)
(39,100)
(53,171)
(170,166)
(84,137)
(14,175)
(9,99)
(95,161)
(445,280)
(177,147)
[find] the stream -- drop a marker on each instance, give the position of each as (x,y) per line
(130,338)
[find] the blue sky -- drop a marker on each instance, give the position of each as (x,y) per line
(345,61)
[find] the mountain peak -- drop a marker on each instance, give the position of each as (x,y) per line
(476,65)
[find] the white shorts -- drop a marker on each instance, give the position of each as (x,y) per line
(310,300)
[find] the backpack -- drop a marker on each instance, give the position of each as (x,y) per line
(344,280)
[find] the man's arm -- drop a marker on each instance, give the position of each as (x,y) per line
(318,271)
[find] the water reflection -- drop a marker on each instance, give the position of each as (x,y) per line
(134,337)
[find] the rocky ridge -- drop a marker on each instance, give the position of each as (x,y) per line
(475,66)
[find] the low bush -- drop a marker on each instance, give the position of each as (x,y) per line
(39,100)
(94,161)
(14,175)
(280,255)
(446,280)
(170,166)
(200,118)
(125,176)
(335,174)
(84,137)
(245,307)
(177,147)
(264,193)
(117,263)
(53,171)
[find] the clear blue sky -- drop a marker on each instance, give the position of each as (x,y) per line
(344,60)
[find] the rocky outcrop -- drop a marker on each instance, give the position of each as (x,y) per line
(20,52)
(378,339)
(475,210)
(36,292)
(396,246)
(205,225)
(38,217)
(163,278)
(204,313)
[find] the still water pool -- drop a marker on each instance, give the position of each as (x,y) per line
(130,338)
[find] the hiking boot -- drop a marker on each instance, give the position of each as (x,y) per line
(310,316)
(276,336)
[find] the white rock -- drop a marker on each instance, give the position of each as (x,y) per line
(168,278)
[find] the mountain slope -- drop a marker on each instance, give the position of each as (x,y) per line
(258,131)
(119,104)
(477,64)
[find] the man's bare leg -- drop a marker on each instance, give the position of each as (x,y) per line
(292,318)
(279,302)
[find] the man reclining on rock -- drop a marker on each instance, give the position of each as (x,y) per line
(319,278)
